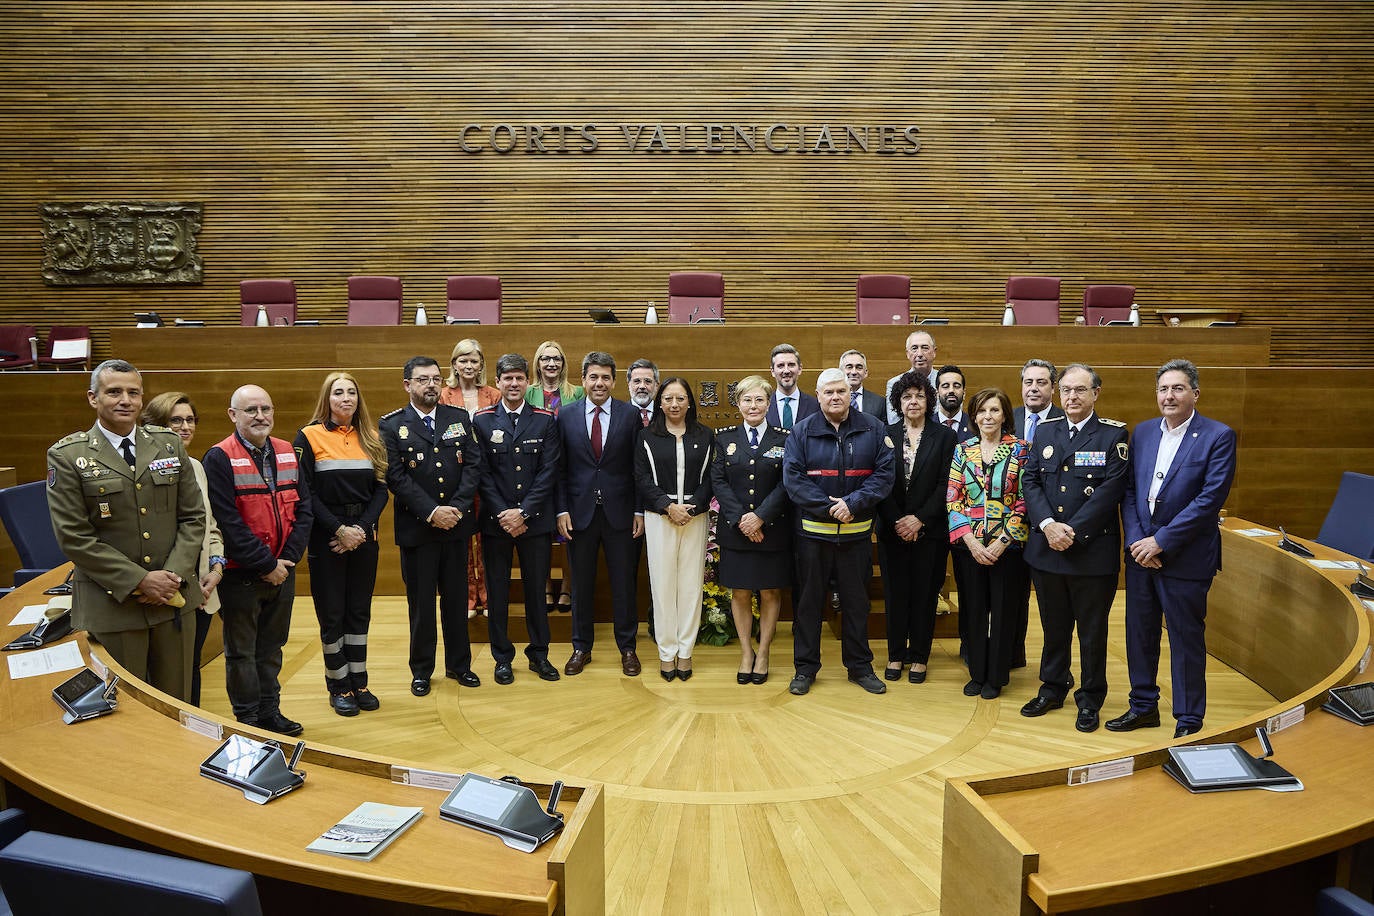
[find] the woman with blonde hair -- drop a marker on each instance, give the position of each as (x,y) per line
(550,389)
(466,387)
(343,464)
(174,410)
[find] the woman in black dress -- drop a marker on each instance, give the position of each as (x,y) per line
(914,525)
(754,528)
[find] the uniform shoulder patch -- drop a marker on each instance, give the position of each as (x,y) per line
(69,439)
(727,429)
(542,410)
(490,408)
(1051,420)
(1110,422)
(388,416)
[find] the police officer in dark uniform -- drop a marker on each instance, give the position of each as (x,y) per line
(128,513)
(1074,486)
(433,466)
(520,448)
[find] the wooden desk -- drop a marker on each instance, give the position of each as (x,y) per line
(1027,842)
(136,773)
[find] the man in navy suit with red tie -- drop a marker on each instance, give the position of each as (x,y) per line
(597,508)
(1182,473)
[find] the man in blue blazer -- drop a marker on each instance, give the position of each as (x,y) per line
(1181,476)
(789,402)
(597,508)
(1038,378)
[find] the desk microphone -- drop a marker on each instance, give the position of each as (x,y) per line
(555,794)
(692,317)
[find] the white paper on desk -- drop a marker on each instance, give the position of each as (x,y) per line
(1255,532)
(1335,564)
(62,657)
(28,616)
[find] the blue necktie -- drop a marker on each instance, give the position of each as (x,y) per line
(787,412)
(1034,422)
(753,437)
(429,425)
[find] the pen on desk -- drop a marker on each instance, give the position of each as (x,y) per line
(554,794)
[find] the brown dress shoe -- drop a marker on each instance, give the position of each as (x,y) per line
(629,663)
(576,662)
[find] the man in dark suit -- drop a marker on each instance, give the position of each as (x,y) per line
(920,351)
(1038,378)
(1182,473)
(597,508)
(1073,487)
(131,518)
(949,403)
(520,452)
(854,365)
(433,467)
(789,403)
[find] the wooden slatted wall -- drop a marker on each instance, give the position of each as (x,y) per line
(1212,154)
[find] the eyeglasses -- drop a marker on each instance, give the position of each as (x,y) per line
(255,411)
(551,359)
(1173,389)
(181,421)
(1078,391)
(426,379)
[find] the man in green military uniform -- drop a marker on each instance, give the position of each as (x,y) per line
(128,513)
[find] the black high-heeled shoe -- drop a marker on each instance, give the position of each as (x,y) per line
(668,675)
(743,677)
(684,674)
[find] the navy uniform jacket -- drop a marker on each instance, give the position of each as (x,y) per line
(116,525)
(806,405)
(1081,484)
(1186,513)
(582,477)
(425,471)
(519,466)
(853,463)
(750,480)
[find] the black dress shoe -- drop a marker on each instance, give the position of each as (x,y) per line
(504,675)
(892,674)
(990,692)
(367,700)
(576,662)
(684,674)
(344,704)
(1087,720)
(466,678)
(1131,720)
(420,686)
(1039,705)
(758,678)
(916,677)
(1184,731)
(801,685)
(546,671)
(743,677)
(281,725)
(972,689)
(868,681)
(669,674)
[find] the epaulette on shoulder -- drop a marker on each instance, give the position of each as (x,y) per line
(1110,422)
(1051,420)
(782,429)
(490,408)
(70,438)
(727,429)
(154,428)
(544,410)
(393,413)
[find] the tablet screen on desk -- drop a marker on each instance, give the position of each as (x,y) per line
(483,799)
(1359,697)
(1215,763)
(238,757)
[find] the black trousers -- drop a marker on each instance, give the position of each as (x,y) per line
(915,572)
(618,544)
(849,564)
(1066,602)
(536,552)
(341,585)
(440,566)
(257,622)
(993,606)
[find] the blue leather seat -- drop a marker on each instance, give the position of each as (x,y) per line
(1337,901)
(42,873)
(24,510)
(1349,526)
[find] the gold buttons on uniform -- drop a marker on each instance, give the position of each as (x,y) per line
(441,480)
(147,559)
(138,486)
(146,535)
(1063,489)
(517,467)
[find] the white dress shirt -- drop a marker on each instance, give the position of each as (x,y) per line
(1169,442)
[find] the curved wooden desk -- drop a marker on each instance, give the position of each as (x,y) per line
(1027,842)
(136,773)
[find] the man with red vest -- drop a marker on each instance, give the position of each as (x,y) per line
(264,514)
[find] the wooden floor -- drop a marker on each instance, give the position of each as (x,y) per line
(721,798)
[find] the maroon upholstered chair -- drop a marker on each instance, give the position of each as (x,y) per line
(374,300)
(1102,304)
(18,346)
(475,297)
(278,297)
(694,297)
(883,299)
(75,349)
(1034,300)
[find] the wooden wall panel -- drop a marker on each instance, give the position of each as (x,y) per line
(1211,154)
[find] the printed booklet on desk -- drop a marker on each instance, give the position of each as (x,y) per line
(366,831)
